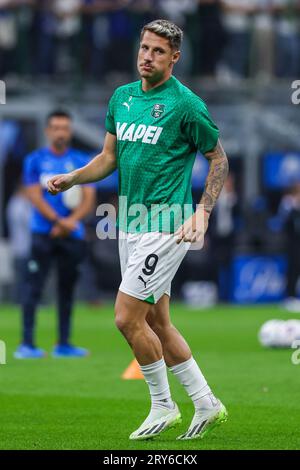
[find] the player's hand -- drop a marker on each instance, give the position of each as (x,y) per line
(193,229)
(60,183)
(59,232)
(67,223)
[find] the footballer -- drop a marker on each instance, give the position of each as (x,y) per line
(155,126)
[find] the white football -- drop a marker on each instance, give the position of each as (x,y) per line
(279,333)
(271,334)
(292,332)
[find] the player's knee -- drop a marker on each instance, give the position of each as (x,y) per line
(122,320)
(125,323)
(162,329)
(121,323)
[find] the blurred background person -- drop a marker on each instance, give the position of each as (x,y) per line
(67,33)
(287,31)
(179,12)
(95,32)
(237,21)
(58,27)
(57,235)
(45,47)
(223,233)
(262,43)
(18,214)
(8,36)
(25,14)
(209,37)
(290,213)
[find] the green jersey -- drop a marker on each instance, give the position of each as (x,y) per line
(158,135)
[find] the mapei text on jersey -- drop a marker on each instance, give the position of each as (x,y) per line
(140,132)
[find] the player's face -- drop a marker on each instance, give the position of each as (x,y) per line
(59,132)
(155,58)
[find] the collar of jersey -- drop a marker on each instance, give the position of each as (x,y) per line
(58,155)
(167,84)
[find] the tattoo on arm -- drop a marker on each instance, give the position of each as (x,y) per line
(217,174)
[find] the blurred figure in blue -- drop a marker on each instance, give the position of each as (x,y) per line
(57,235)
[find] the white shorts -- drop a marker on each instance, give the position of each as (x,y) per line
(149,262)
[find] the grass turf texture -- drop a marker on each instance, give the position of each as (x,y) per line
(84,404)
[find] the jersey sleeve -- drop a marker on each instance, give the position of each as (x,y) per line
(31,173)
(110,120)
(199,127)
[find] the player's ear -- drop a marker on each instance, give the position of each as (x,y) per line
(176,57)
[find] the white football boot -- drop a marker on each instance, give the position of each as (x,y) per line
(205,420)
(158,421)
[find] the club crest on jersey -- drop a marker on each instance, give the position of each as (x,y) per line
(158,110)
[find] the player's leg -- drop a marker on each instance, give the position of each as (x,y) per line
(209,411)
(175,348)
(69,255)
(130,317)
(36,273)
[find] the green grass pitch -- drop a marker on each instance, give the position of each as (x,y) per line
(84,404)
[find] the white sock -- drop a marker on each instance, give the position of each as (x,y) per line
(157,379)
(191,377)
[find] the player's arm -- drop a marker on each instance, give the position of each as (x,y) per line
(218,171)
(195,227)
(97,169)
(35,195)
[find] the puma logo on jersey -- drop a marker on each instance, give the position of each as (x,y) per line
(128,104)
(141,279)
(141,132)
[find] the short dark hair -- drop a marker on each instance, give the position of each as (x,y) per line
(58,113)
(165,29)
